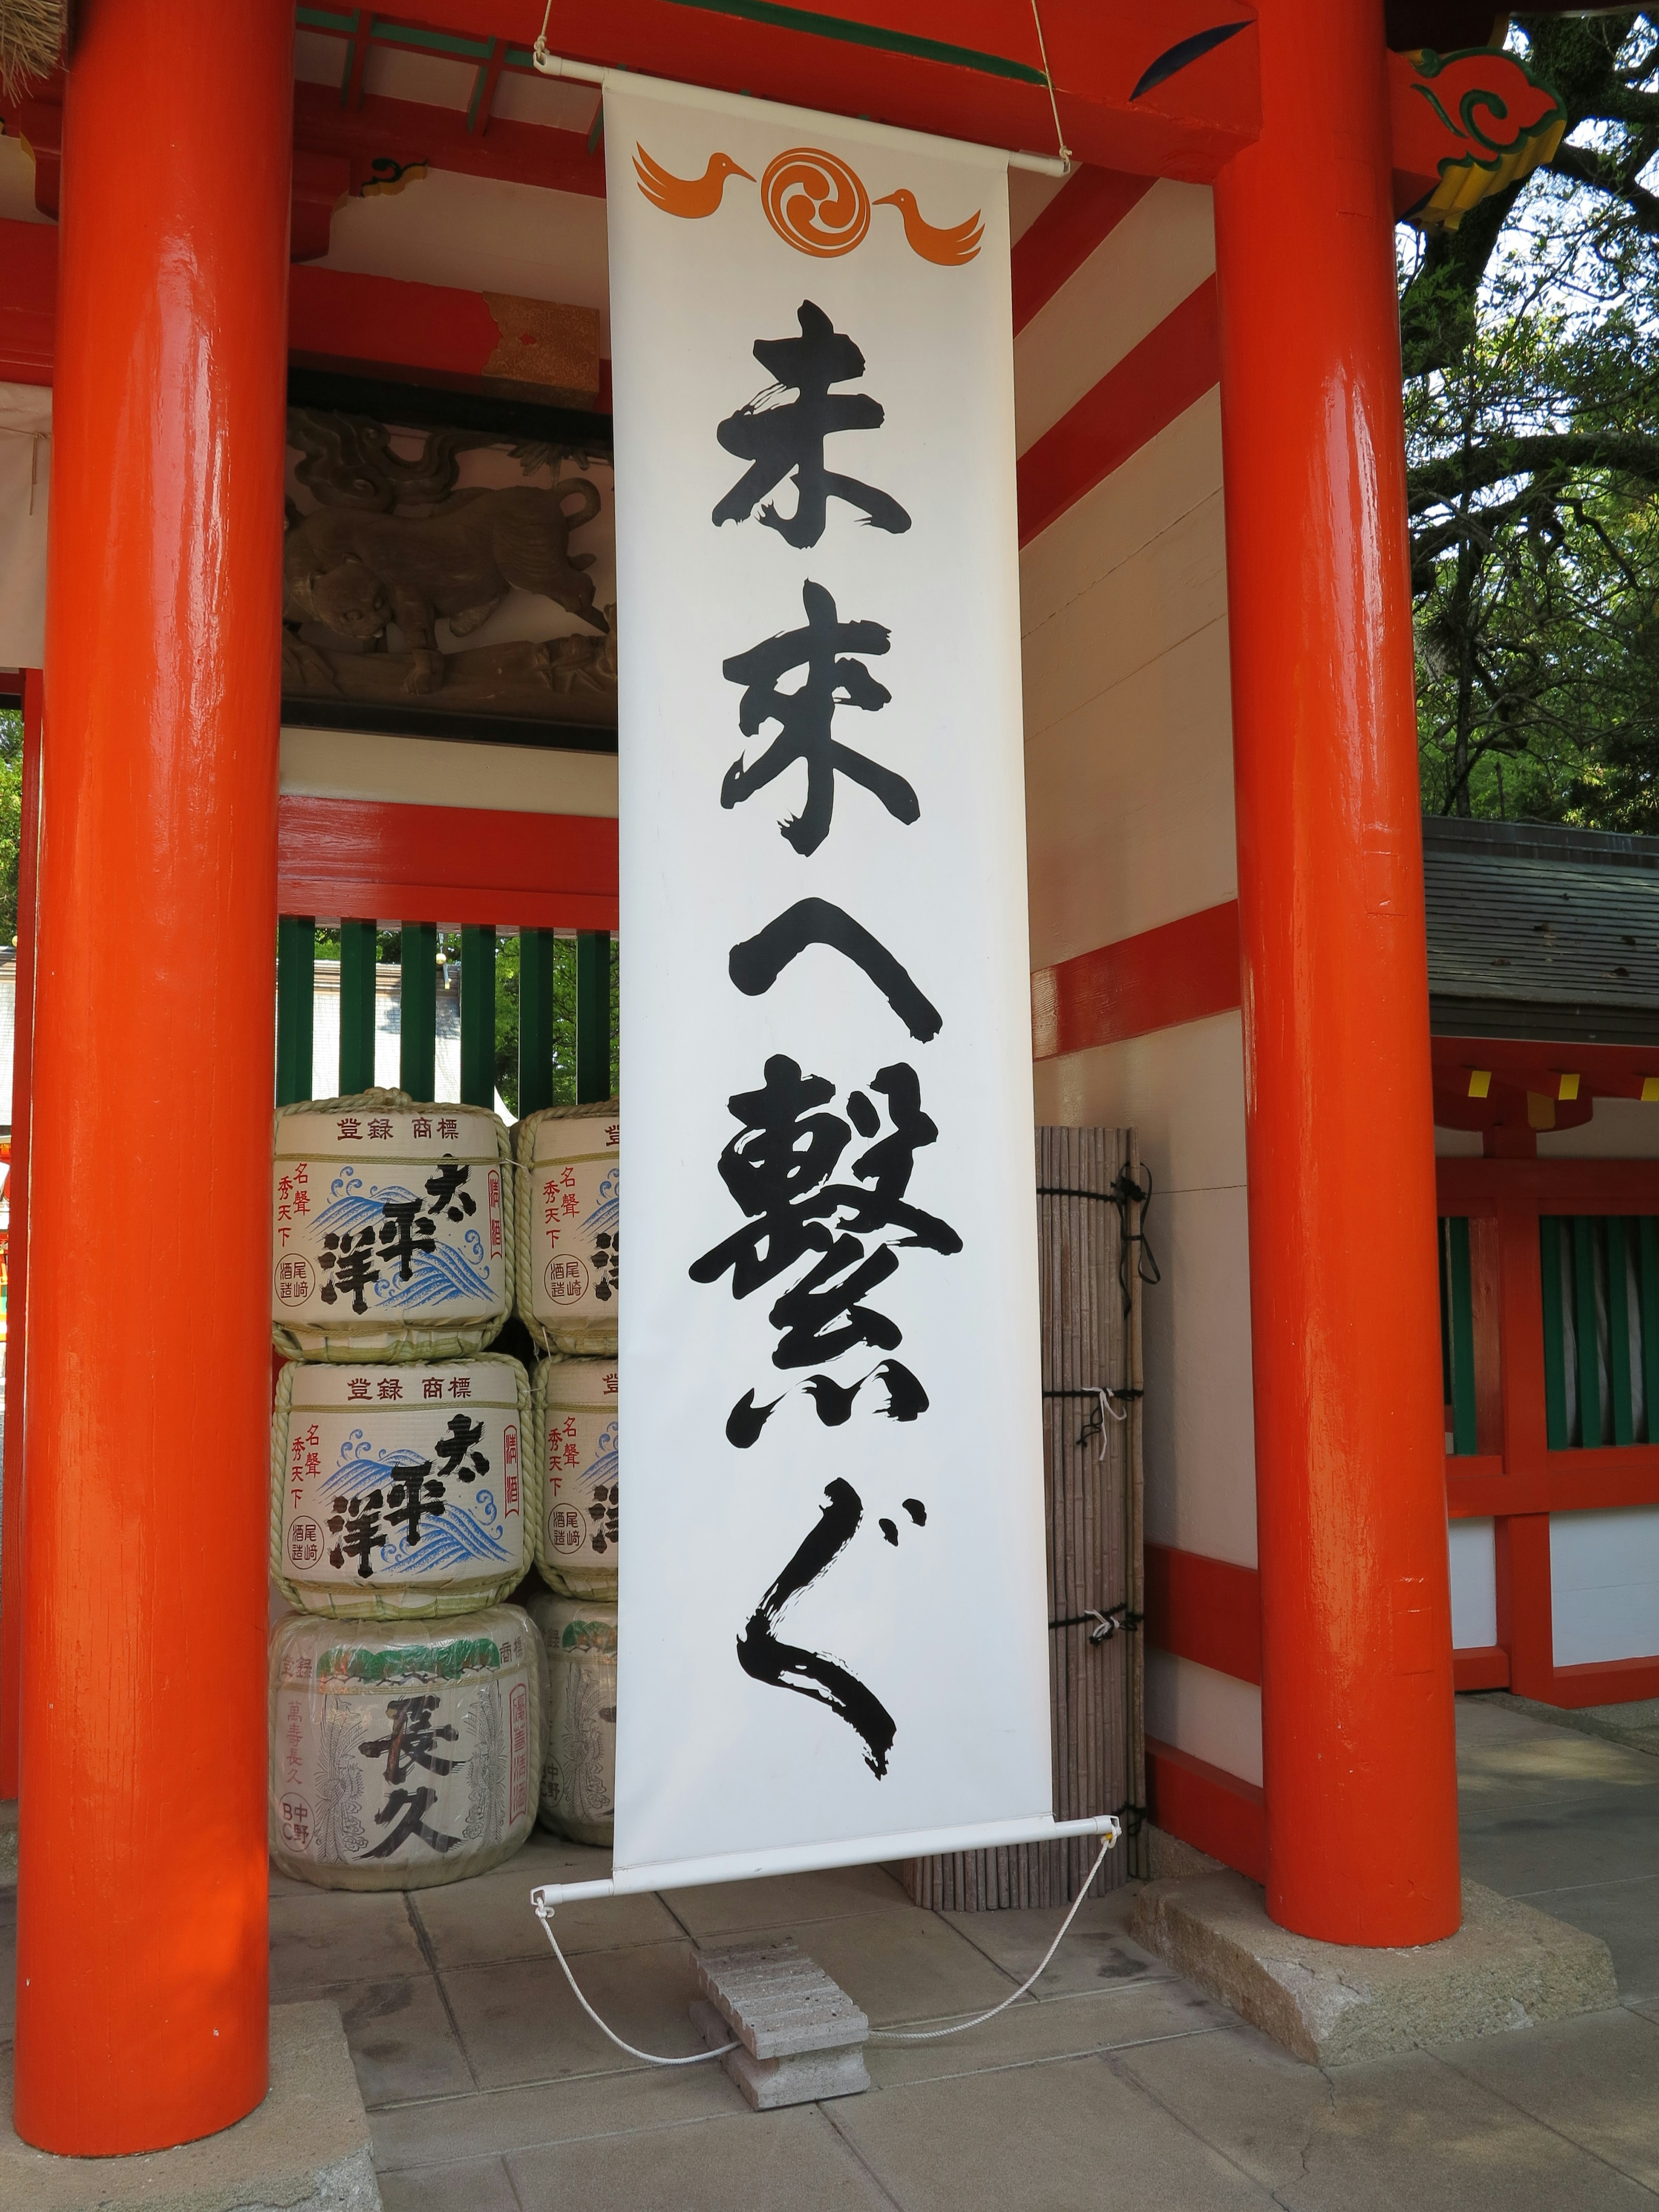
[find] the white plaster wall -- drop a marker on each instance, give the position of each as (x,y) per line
(1209,1715)
(1182,1091)
(1130,791)
(1617,1129)
(1604,1578)
(1129,802)
(424,772)
(1473,1585)
(480,234)
(1457,1144)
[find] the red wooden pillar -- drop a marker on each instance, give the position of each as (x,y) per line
(1357,1687)
(142,2012)
(18,1241)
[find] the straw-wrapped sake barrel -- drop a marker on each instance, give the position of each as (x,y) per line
(406,1491)
(578,1753)
(570,1191)
(575,1432)
(404,1755)
(394,1228)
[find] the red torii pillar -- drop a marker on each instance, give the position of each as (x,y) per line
(142,2001)
(1357,1687)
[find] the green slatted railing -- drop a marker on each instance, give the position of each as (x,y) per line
(1600,1315)
(1457,1331)
(557,996)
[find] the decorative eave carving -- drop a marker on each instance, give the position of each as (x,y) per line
(1466,125)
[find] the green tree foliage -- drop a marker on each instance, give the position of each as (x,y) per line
(1531,354)
(564,1020)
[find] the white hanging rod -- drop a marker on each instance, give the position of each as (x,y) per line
(808,1858)
(1045,165)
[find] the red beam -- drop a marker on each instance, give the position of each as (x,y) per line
(428,329)
(29,301)
(1607,1682)
(1547,1186)
(408,130)
(1204,1609)
(1179,972)
(1171,367)
(1207,1807)
(1188,125)
(1481,1667)
(432,329)
(1088,207)
(1605,1071)
(346,856)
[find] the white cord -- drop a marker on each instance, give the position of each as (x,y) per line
(933,2034)
(1043,51)
(650,2058)
(876,2034)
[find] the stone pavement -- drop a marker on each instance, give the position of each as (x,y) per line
(1116,2084)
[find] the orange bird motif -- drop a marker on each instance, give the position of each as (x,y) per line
(685,195)
(949,248)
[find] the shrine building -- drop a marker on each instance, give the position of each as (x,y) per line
(1401,1325)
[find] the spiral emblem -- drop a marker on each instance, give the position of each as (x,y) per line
(814,201)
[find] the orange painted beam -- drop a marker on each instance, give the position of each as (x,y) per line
(29,301)
(964,69)
(404,132)
(1204,1609)
(381,323)
(1481,1667)
(448,864)
(1182,971)
(1489,1187)
(142,1931)
(1351,1500)
(1605,1071)
(1207,1807)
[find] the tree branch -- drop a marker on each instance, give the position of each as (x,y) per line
(1588,168)
(1434,482)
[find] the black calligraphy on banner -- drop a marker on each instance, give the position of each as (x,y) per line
(779,1168)
(822,1238)
(810,1673)
(786,439)
(756,965)
(806,717)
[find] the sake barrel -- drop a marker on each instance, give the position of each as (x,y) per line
(394,1228)
(579,1752)
(574,1426)
(570,1191)
(402,1491)
(404,1755)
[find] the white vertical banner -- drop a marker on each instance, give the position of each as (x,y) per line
(833,1623)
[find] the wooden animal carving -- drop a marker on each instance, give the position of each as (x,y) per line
(354,572)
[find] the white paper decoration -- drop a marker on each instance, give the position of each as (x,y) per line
(393,1229)
(569,1254)
(579,1765)
(403,1755)
(402,1491)
(576,1435)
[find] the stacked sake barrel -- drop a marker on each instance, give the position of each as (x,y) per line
(568,1260)
(408,1704)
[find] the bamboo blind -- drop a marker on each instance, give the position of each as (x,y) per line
(1090,1321)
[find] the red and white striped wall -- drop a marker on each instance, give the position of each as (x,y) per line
(1135,932)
